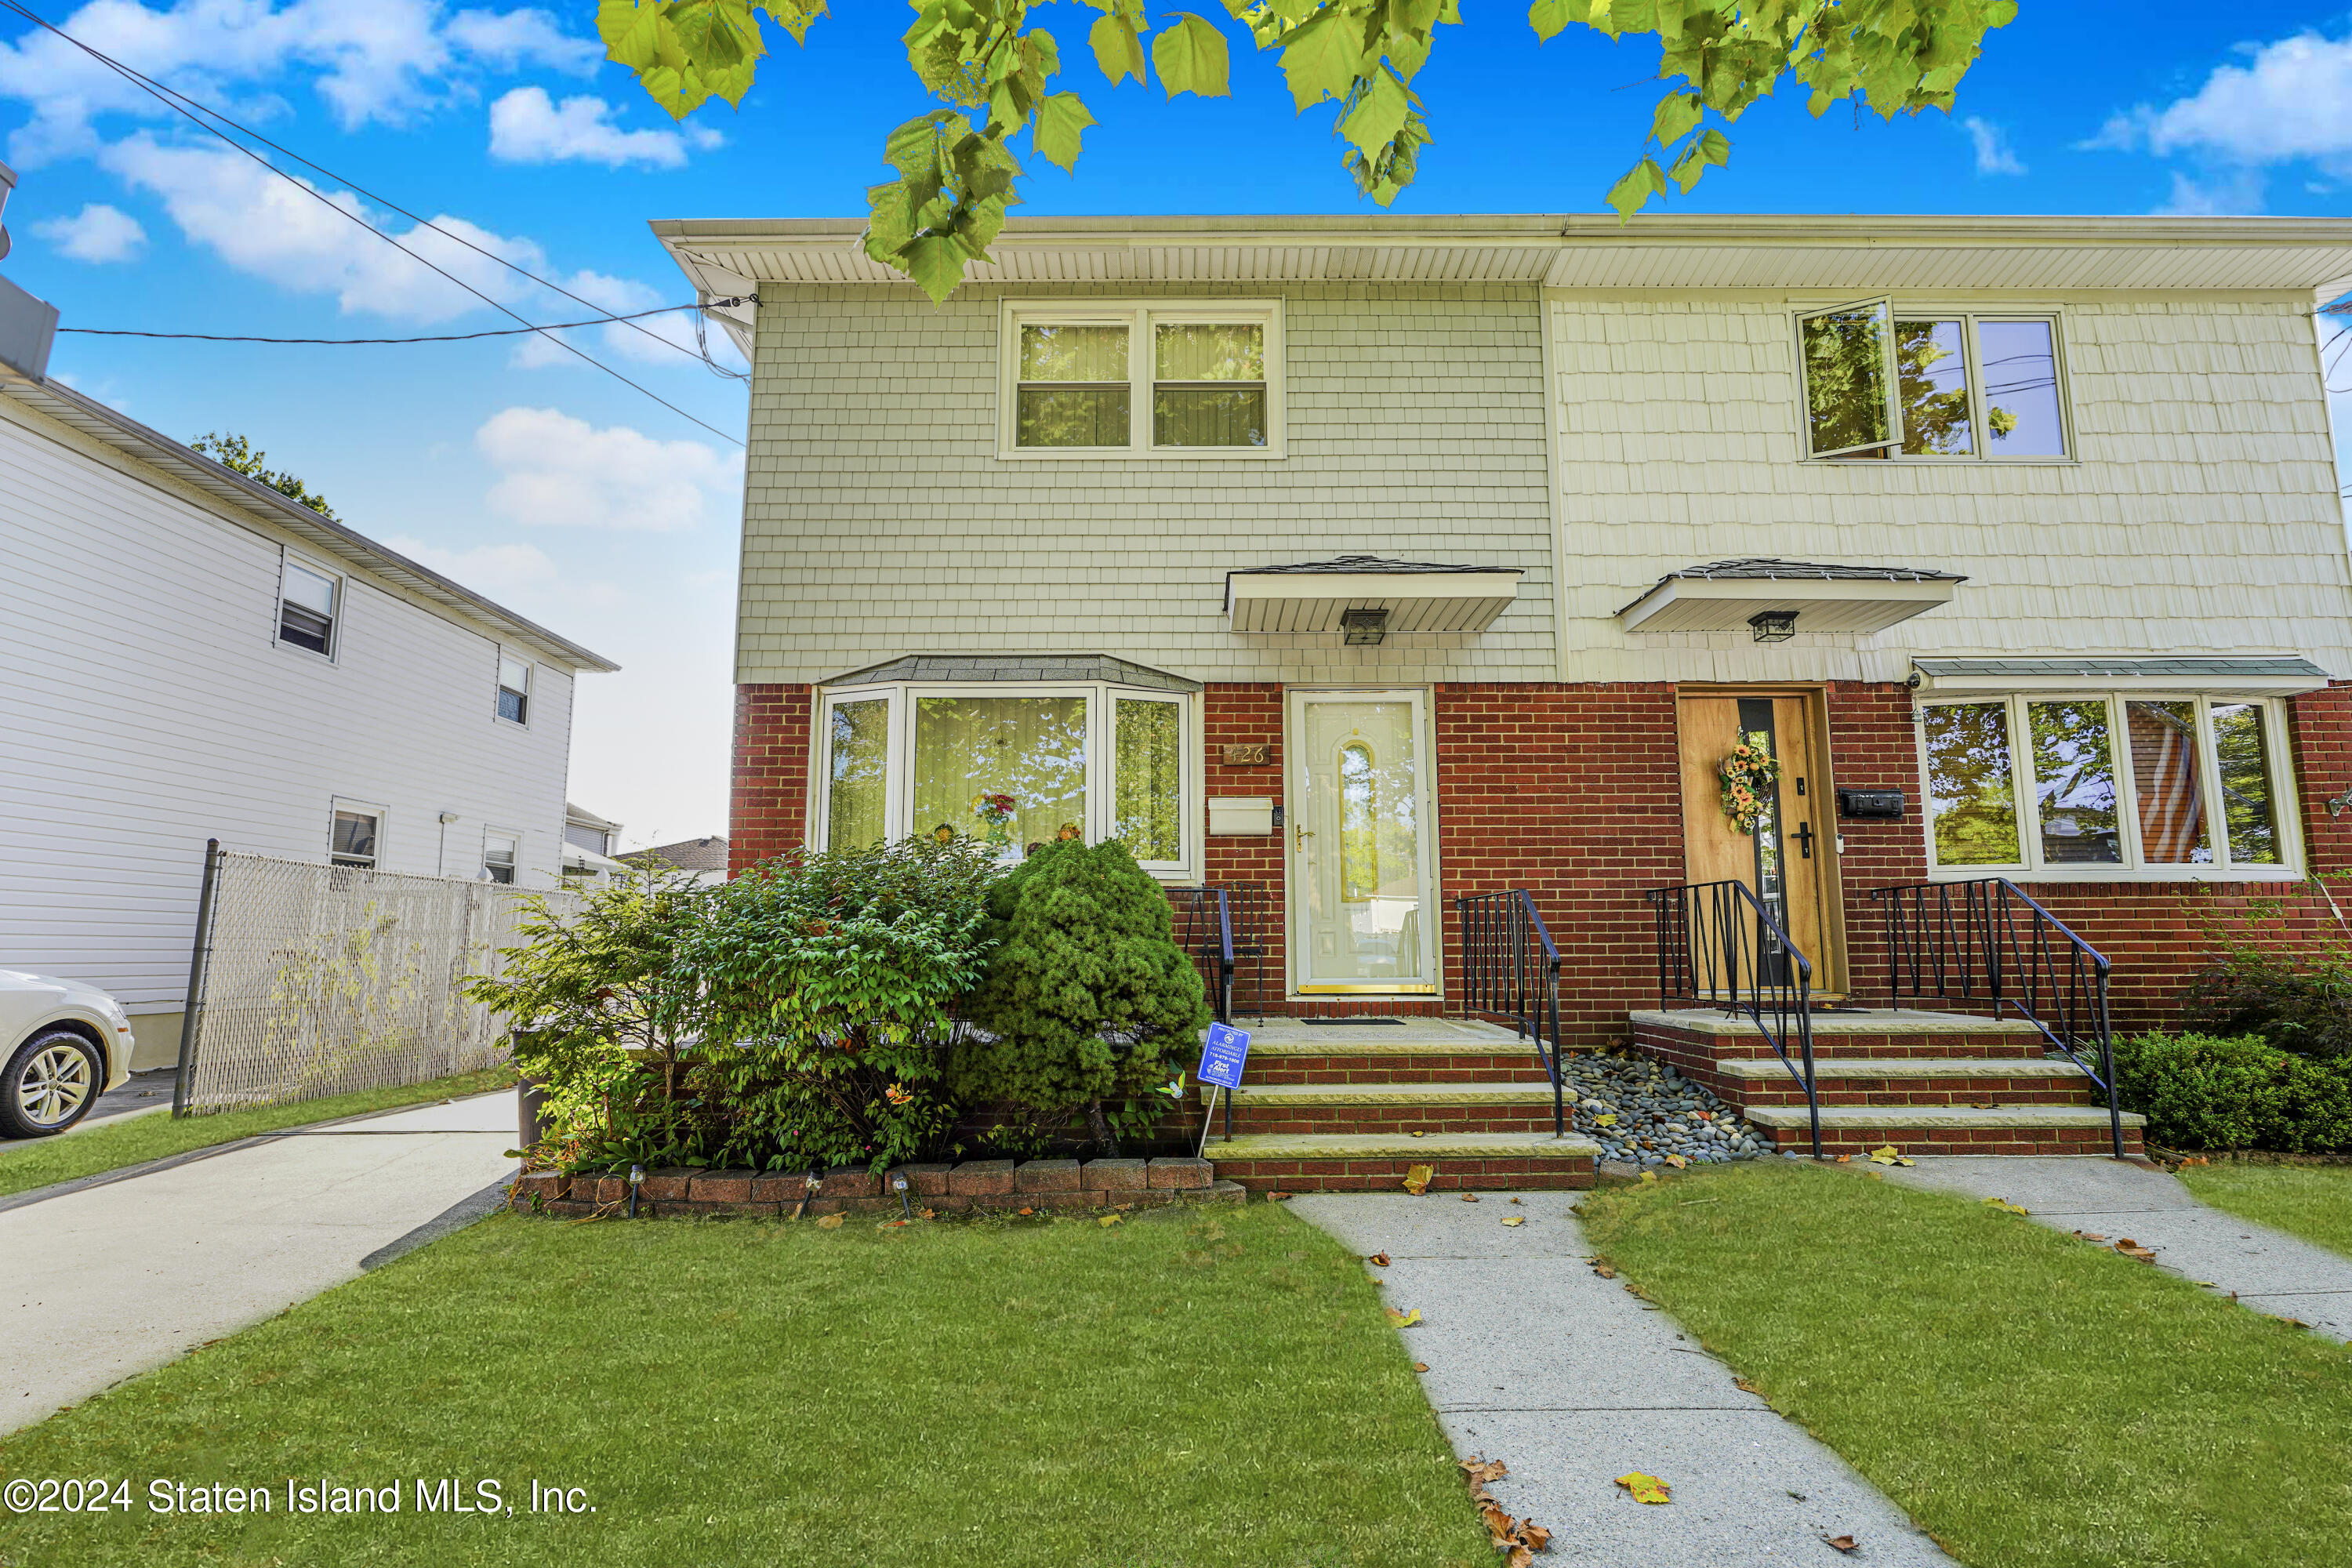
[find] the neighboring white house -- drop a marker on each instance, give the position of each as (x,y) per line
(590,842)
(185,654)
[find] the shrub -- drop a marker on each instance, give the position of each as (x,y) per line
(1087,994)
(2298,1003)
(2204,1092)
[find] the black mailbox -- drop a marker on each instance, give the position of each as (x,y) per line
(1870,804)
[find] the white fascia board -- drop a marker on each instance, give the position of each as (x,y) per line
(1725,604)
(1416,601)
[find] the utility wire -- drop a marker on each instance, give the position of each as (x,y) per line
(444,338)
(171,100)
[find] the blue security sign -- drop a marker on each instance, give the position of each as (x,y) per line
(1223,1055)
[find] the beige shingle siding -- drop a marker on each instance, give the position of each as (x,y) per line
(2203,516)
(878,520)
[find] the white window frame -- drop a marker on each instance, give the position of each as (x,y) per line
(343,590)
(510,836)
(1981,434)
(339,803)
(2026,797)
(1101,757)
(1139,317)
(499,689)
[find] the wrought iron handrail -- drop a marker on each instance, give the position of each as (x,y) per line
(1208,935)
(1510,967)
(1961,940)
(1719,945)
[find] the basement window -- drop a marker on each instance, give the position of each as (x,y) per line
(1916,385)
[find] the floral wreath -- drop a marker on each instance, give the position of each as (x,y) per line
(1749,776)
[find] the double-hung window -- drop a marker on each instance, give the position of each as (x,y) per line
(1160,380)
(2109,784)
(514,688)
(1887,382)
(306,604)
(1014,767)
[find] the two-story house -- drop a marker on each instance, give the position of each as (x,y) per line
(186,655)
(1380,563)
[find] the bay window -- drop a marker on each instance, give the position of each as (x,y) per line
(1014,767)
(2107,783)
(1899,382)
(1178,378)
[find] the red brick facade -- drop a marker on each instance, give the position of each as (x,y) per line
(1573,791)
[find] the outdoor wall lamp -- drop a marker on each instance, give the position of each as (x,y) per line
(1364,628)
(1773,625)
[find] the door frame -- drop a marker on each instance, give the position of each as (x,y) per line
(1833,974)
(1293,914)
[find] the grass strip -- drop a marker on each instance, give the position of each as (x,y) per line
(100,1148)
(1188,1387)
(2031,1401)
(2314,1202)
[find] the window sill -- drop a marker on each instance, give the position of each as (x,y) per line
(1956,462)
(1128,454)
(2092,875)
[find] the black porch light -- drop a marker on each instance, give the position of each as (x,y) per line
(1364,628)
(1773,625)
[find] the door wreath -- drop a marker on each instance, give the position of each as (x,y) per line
(1750,777)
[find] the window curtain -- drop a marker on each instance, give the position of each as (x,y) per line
(1149,802)
(1008,771)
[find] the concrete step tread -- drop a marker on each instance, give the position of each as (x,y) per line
(1390,1094)
(1436,1147)
(1769,1067)
(1709,1021)
(1413,1037)
(1898,1117)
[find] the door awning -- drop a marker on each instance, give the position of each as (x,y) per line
(2259,675)
(1727,597)
(1413,595)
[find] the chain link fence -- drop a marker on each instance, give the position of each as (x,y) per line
(313,980)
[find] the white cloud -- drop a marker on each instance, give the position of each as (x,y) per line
(2289,99)
(372,60)
(487,568)
(97,232)
(527,127)
(1994,156)
(556,472)
(2229,193)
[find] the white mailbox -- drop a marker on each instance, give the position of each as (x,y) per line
(1232,815)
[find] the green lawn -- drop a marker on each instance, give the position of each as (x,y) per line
(2314,1202)
(2032,1400)
(1192,1388)
(144,1138)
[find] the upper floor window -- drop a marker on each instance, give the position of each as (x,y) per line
(1089,380)
(514,688)
(1883,382)
(2110,783)
(499,851)
(305,607)
(353,838)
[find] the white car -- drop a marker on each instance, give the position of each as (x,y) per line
(65,1043)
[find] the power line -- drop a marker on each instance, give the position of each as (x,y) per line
(170,99)
(444,338)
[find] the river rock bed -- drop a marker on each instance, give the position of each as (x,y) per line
(1639,1112)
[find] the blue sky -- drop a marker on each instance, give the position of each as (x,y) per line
(587,506)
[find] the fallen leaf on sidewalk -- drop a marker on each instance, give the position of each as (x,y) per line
(830,1222)
(1745,1386)
(1469,1197)
(1516,1219)
(2090,1236)
(2006,1207)
(1982,1105)
(1604,1271)
(1480,1471)
(1845,1543)
(1402,1320)
(1378,1260)
(1845,1159)
(1420,1134)
(1519,1200)
(1645,1489)
(2131,1248)
(1416,1180)
(1889,1155)
(1420,1366)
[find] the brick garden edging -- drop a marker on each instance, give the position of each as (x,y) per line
(672,1191)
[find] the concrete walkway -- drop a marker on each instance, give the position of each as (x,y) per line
(1573,1381)
(111,1280)
(2269,1271)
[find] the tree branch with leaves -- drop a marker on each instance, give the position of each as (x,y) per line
(992,68)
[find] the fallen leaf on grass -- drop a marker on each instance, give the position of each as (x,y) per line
(929,1214)
(1402,1320)
(2005,1205)
(1677,1161)
(830,1222)
(1845,1543)
(1378,1260)
(1645,1489)
(2090,1236)
(2131,1248)
(893,1224)
(1107,1221)
(1516,1219)
(1416,1180)
(1651,1177)
(1745,1386)
(1025,1211)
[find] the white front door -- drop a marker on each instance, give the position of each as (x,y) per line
(1362,919)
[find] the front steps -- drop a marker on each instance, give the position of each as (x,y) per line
(1927,1083)
(1353,1106)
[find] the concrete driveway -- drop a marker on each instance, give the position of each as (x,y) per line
(111,1280)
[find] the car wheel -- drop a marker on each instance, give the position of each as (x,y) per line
(51,1083)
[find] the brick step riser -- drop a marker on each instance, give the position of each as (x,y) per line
(1688,1050)
(1958,1141)
(2067,1092)
(1379,1120)
(1396,1070)
(1387,1175)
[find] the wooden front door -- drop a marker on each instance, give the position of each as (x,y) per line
(1785,862)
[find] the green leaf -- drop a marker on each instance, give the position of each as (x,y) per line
(1631,194)
(1677,113)
(1319,60)
(1061,119)
(1190,57)
(1714,147)
(1380,113)
(1548,17)
(1118,48)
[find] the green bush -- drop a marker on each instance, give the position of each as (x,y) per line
(2299,1002)
(1086,996)
(2205,1091)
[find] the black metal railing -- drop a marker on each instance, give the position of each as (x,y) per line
(1987,941)
(1719,945)
(1205,928)
(1510,967)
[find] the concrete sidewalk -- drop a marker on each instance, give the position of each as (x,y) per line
(2268,1270)
(116,1279)
(1573,1381)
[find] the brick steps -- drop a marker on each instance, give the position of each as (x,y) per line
(1396,1109)
(1916,1130)
(1355,1163)
(1949,1081)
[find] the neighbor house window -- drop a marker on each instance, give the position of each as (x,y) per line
(499,851)
(514,688)
(1162,379)
(2106,784)
(1013,768)
(354,838)
(307,603)
(1887,383)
